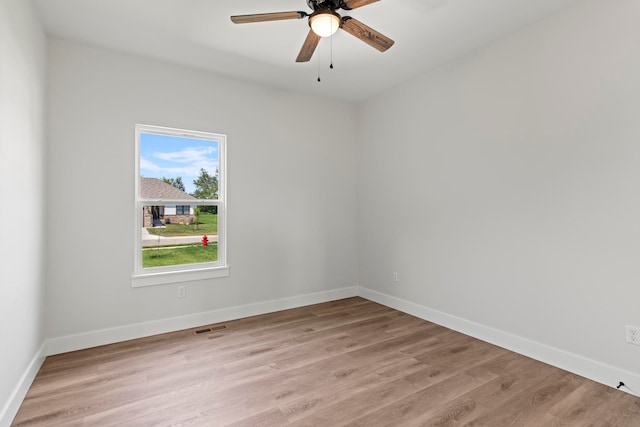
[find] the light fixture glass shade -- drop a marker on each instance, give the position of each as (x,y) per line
(324,24)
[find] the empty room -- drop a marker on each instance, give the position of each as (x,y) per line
(320,212)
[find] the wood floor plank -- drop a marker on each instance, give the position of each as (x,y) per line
(346,362)
(624,412)
(418,406)
(584,404)
(356,386)
(349,407)
(532,404)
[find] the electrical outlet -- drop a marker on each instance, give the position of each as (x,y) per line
(182,291)
(394,276)
(633,335)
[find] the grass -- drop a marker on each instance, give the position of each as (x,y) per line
(178,255)
(208,225)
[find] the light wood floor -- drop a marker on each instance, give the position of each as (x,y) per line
(349,362)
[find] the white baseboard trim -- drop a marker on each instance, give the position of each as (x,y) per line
(588,368)
(10,409)
(128,332)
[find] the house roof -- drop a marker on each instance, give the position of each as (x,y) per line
(154,188)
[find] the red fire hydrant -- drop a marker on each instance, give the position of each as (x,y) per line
(205,240)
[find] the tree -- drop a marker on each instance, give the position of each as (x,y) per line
(196,212)
(206,185)
(206,188)
(176,182)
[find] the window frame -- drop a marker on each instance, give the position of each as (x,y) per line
(151,276)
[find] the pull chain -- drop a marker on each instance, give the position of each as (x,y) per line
(331,59)
(331,47)
(318,55)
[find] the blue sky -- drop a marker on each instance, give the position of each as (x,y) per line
(173,156)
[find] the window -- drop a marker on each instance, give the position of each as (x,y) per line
(180,206)
(183,210)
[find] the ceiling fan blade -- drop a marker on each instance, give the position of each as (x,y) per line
(353,4)
(308,47)
(262,17)
(366,34)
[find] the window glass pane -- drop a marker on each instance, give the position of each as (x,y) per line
(179,238)
(178,168)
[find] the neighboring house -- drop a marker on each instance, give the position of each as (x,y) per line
(154,216)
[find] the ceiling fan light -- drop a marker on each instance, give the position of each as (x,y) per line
(324,24)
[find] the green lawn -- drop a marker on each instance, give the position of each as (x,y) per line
(208,225)
(177,255)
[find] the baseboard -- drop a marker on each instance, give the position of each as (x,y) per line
(588,368)
(12,406)
(128,332)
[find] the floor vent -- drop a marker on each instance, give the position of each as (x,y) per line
(211,329)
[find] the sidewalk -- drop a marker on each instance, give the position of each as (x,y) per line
(151,240)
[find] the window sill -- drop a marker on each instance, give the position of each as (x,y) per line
(168,277)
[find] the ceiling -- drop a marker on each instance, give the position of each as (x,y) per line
(199,33)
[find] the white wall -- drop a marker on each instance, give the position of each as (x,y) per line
(504,188)
(291,188)
(22,169)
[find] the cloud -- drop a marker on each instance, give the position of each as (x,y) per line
(148,165)
(186,163)
(192,170)
(188,155)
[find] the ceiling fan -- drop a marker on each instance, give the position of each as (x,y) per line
(324,22)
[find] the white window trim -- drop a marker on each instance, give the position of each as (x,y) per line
(186,272)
